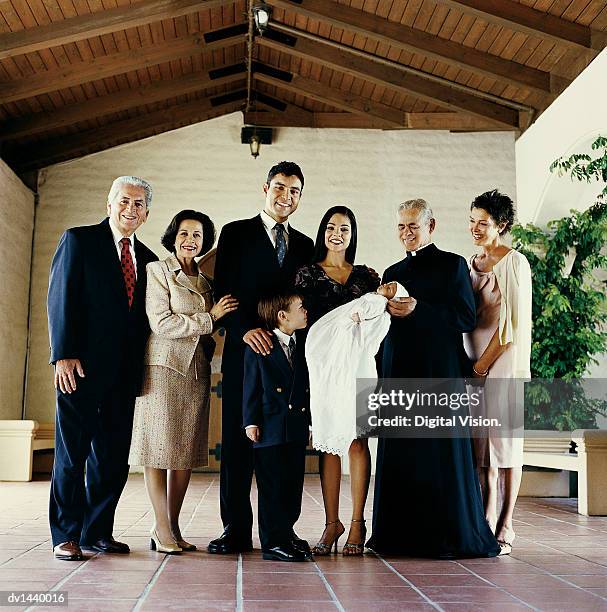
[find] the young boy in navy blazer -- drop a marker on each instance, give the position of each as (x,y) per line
(276,417)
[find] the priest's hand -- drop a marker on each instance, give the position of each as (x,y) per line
(402,308)
(253,433)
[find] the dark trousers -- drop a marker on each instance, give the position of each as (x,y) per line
(91,432)
(237,458)
(279,472)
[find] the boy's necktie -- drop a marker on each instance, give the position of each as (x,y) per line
(291,351)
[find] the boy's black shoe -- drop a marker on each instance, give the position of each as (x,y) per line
(284,553)
(227,543)
(301,545)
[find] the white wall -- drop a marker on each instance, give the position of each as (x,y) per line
(16,226)
(205,167)
(569,125)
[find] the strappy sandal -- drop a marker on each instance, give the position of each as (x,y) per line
(322,549)
(356,549)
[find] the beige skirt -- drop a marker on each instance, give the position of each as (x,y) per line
(171,423)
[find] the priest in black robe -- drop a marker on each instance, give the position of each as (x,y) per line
(427,496)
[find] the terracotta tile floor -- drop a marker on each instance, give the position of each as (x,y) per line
(559,563)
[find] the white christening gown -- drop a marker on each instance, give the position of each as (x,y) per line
(338,351)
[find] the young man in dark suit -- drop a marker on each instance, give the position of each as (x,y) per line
(255,257)
(98,328)
(276,417)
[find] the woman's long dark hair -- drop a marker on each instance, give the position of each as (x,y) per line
(320,249)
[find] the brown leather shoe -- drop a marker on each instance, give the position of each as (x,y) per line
(109,545)
(68,551)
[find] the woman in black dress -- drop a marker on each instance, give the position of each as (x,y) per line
(329,281)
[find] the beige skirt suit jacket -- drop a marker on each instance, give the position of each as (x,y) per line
(171,423)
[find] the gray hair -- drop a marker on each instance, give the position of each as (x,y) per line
(420,205)
(130,180)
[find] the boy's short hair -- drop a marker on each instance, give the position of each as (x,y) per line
(269,306)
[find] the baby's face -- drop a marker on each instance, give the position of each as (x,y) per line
(388,290)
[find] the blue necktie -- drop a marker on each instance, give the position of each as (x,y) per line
(281,243)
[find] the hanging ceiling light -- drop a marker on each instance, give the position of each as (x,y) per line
(255,143)
(255,136)
(262,13)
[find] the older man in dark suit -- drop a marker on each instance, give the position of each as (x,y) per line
(98,328)
(255,257)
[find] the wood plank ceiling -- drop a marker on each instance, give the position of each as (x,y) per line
(79,76)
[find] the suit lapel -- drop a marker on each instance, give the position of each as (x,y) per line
(109,257)
(280,359)
(262,245)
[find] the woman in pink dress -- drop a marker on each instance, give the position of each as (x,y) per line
(500,349)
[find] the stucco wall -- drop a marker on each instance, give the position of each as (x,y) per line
(16,225)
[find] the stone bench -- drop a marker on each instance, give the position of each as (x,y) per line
(18,442)
(552,450)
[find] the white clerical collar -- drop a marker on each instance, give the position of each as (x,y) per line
(284,338)
(269,222)
(414,253)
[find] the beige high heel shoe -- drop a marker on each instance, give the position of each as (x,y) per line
(155,544)
(322,549)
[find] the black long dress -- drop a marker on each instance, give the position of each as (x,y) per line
(427,496)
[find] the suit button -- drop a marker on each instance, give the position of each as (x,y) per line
(290,407)
(278,389)
(303,409)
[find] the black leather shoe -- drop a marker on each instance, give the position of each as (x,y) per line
(226,543)
(109,545)
(284,553)
(301,545)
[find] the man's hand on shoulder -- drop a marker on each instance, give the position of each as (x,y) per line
(402,307)
(65,378)
(260,340)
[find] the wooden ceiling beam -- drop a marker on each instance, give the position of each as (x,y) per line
(301,117)
(530,21)
(41,154)
(81,27)
(156,91)
(334,97)
(455,122)
(393,78)
(413,40)
(288,118)
(113,64)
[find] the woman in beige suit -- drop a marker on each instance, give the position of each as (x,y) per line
(170,429)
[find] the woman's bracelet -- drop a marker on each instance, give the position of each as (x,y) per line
(213,317)
(480,373)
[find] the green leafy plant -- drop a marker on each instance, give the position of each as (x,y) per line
(569,305)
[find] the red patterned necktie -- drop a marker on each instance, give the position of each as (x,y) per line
(128,269)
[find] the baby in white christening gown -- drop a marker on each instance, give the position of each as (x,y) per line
(341,347)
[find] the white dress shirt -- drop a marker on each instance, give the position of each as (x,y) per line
(117,238)
(269,224)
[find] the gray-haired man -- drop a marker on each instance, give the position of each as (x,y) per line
(98,328)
